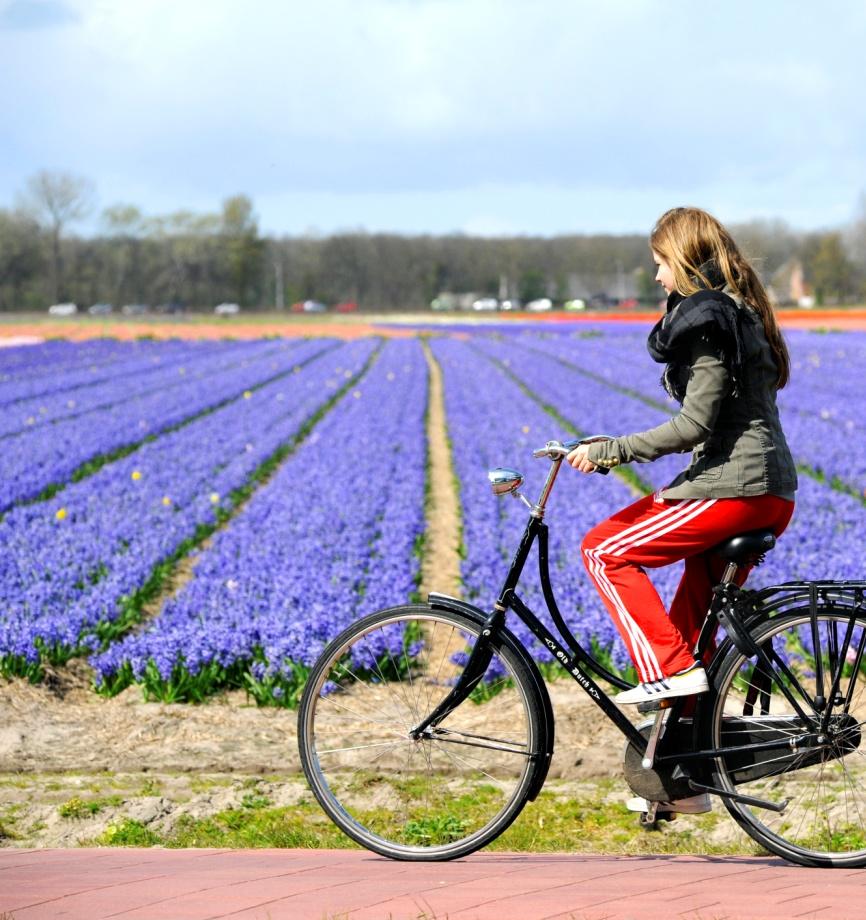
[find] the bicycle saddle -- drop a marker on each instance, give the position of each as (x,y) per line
(746,547)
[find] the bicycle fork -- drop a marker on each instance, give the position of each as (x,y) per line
(470,676)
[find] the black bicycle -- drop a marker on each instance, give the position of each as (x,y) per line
(424,729)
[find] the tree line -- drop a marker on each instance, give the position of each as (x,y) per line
(194,261)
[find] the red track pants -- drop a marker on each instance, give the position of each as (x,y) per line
(654,532)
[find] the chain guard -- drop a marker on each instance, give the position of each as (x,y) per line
(658,784)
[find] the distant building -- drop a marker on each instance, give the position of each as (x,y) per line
(789,286)
(616,286)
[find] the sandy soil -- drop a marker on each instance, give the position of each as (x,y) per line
(60,741)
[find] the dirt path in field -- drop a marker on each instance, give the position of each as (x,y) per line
(441,567)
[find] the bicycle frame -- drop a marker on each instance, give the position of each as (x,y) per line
(508,599)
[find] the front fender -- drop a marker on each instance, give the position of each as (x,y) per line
(544,751)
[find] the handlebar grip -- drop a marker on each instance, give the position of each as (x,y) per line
(602,469)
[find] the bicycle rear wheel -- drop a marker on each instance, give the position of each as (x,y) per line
(443,795)
(814,758)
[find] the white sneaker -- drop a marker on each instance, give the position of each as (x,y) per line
(687,683)
(693,805)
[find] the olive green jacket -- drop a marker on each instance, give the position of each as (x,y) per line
(738,446)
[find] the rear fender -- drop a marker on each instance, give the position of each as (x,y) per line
(544,750)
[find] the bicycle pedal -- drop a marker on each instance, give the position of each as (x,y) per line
(650,819)
(653,705)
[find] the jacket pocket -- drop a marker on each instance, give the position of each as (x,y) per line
(706,469)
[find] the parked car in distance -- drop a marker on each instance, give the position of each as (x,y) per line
(630,303)
(62,309)
(172,306)
(227,309)
(314,306)
(485,303)
(512,304)
(601,301)
(540,305)
(346,306)
(574,305)
(100,309)
(134,309)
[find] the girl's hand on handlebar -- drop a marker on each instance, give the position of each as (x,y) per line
(577,458)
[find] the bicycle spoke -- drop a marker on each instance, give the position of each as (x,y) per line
(397,794)
(362,747)
(824,785)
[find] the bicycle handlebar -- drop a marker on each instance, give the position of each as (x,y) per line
(559,450)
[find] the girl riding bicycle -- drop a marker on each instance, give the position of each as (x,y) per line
(425,728)
(724,359)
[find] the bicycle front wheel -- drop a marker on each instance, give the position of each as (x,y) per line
(437,797)
(809,720)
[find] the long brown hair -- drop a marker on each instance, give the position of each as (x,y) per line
(687,238)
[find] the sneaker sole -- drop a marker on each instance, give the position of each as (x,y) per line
(665,695)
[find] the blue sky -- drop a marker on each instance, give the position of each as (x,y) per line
(435,116)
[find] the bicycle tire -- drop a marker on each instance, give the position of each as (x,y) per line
(438,798)
(824,822)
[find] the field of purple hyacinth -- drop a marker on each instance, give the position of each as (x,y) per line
(567,373)
(58,367)
(157,368)
(127,409)
(309,460)
(330,538)
(820,406)
(73,565)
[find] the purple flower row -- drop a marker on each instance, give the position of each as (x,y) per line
(48,455)
(70,565)
(328,539)
(31,371)
(132,379)
(593,407)
(821,408)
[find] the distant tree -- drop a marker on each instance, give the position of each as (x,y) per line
(348,262)
(124,225)
(123,220)
(21,259)
(435,279)
(767,244)
(191,258)
(57,199)
(831,271)
(857,246)
(532,285)
(245,250)
(648,290)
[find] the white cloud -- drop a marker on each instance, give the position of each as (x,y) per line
(347,102)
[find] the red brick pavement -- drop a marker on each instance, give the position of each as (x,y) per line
(154,884)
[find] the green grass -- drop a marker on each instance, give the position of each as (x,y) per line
(555,822)
(127,833)
(83,808)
